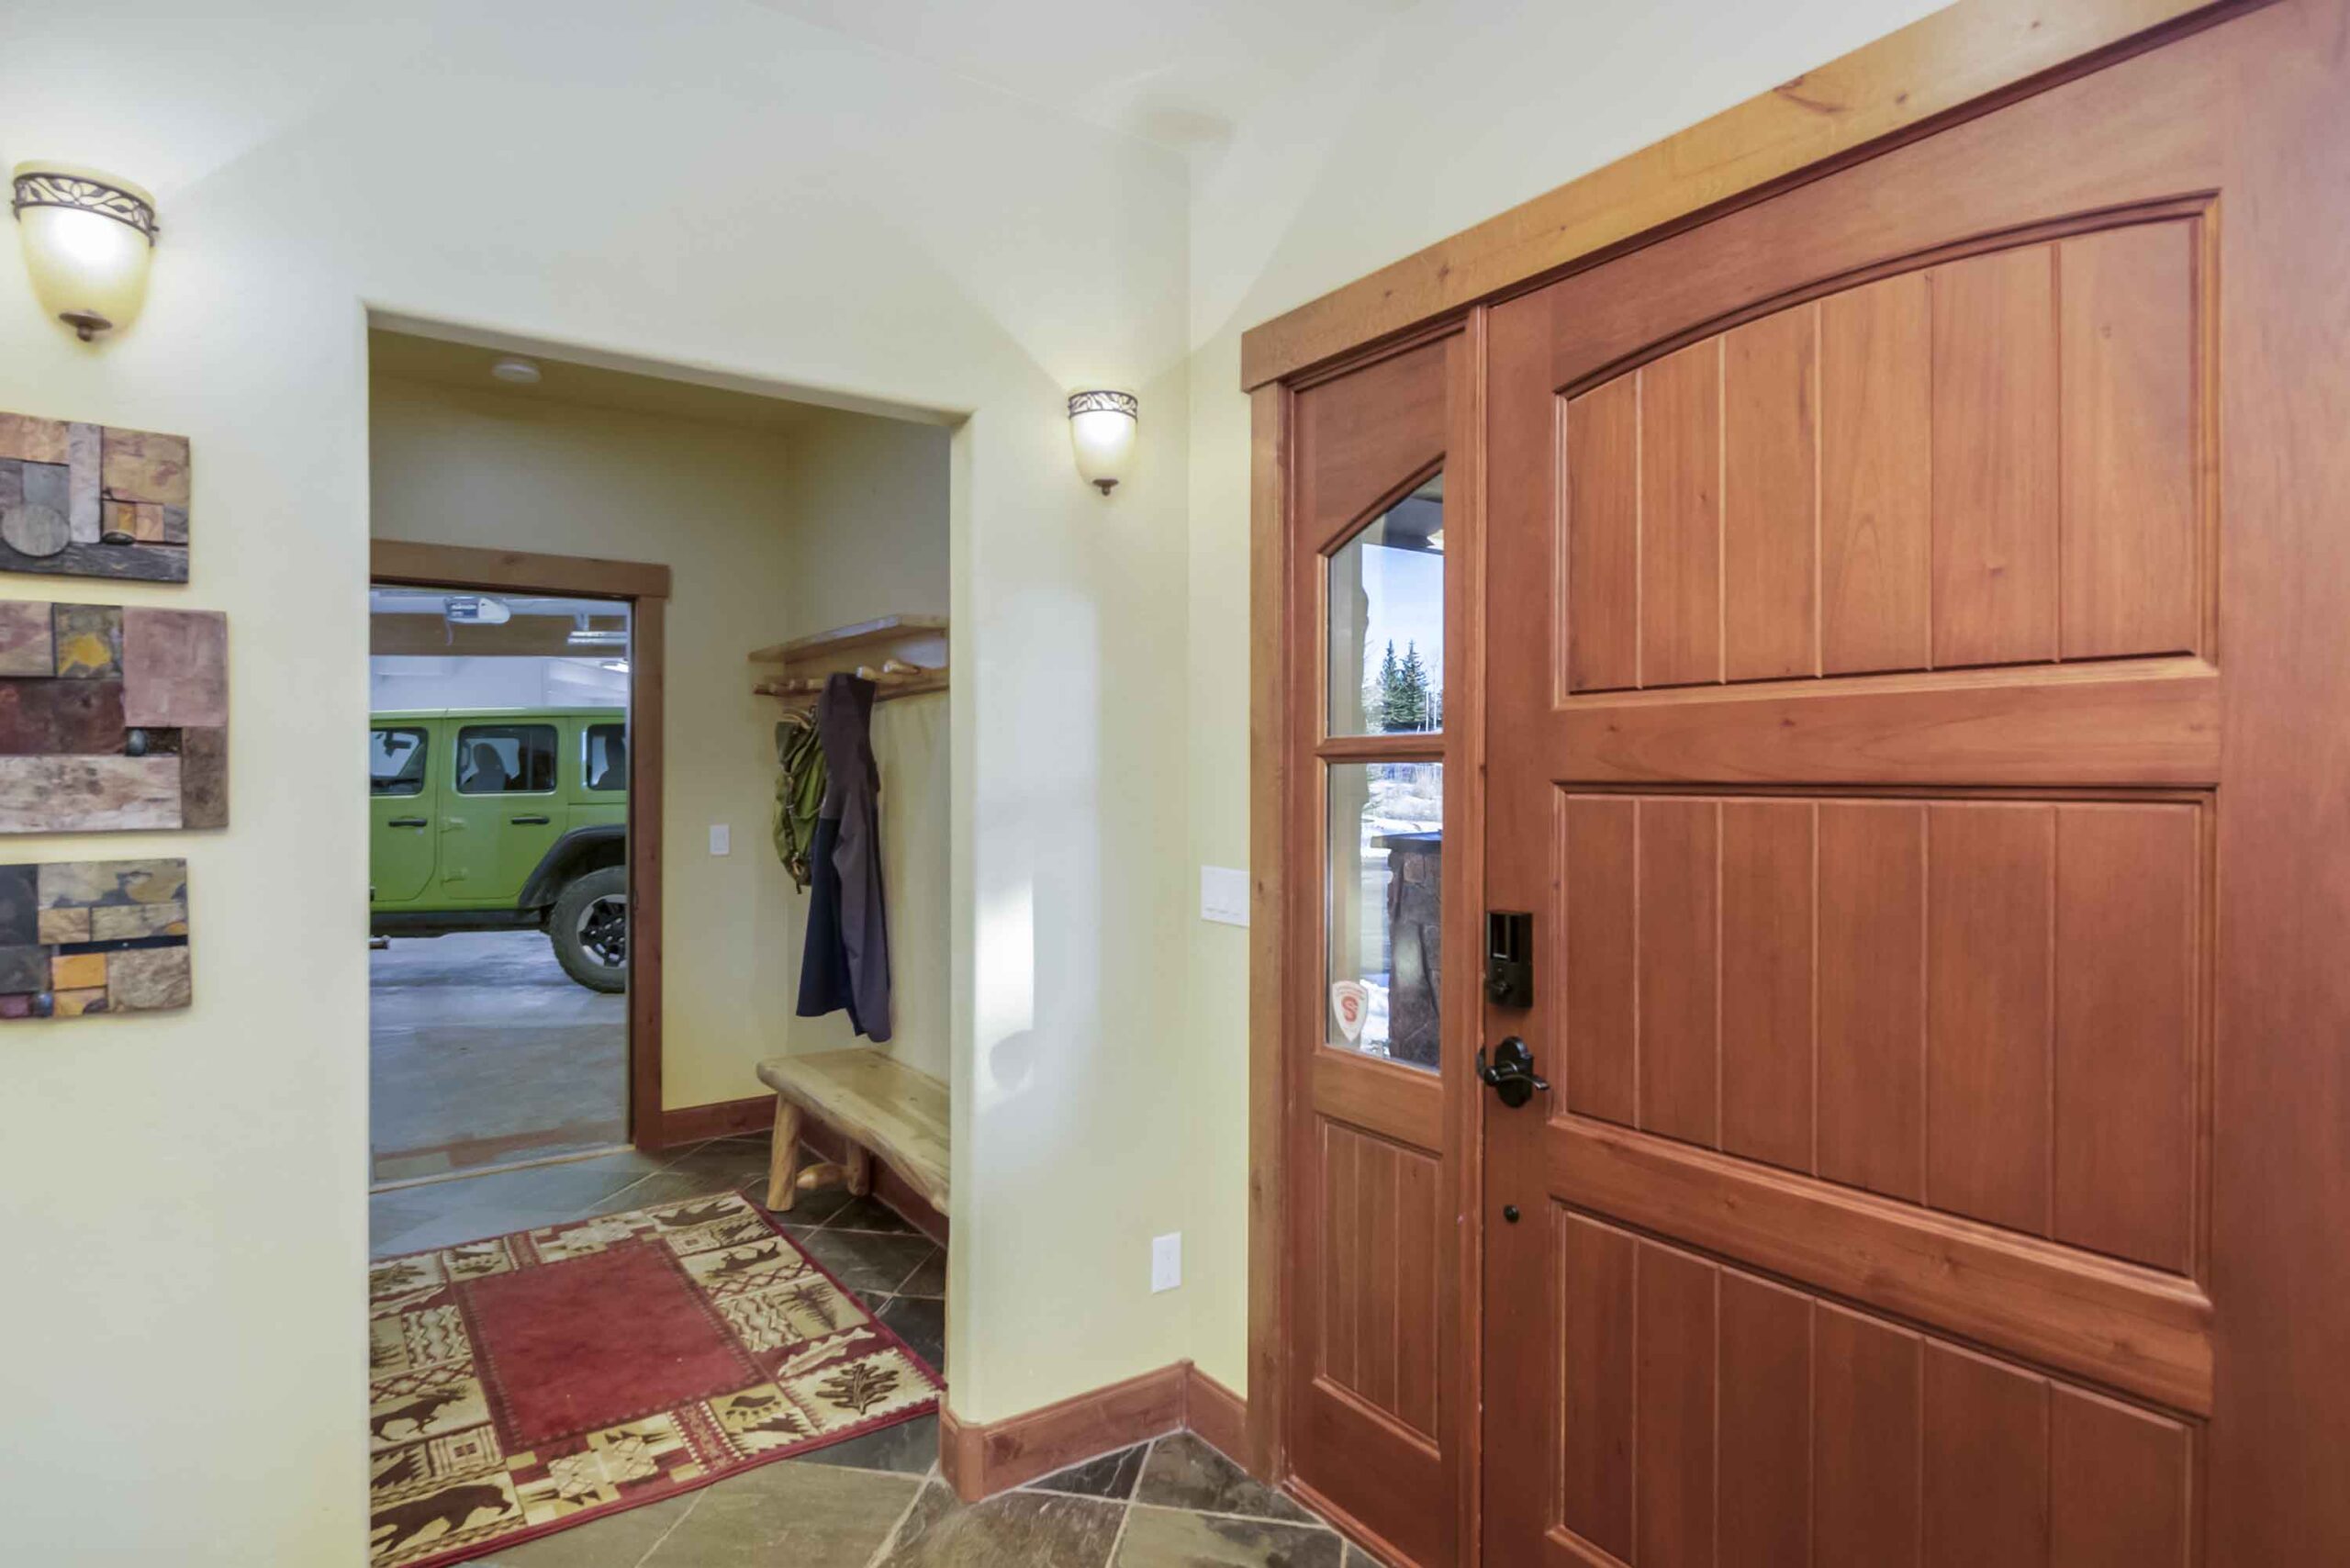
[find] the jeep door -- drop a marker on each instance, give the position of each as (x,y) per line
(500,815)
(402,800)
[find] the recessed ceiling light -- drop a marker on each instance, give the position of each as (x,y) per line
(520,372)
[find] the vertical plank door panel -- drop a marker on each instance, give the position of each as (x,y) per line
(1986,1462)
(2128,961)
(1994,467)
(1868,1402)
(1989,942)
(1872,894)
(1603,543)
(1596,1268)
(2130,437)
(1681,519)
(1770,512)
(1673,1461)
(2119,1480)
(1766,974)
(1679,1056)
(1765,1443)
(1875,476)
(1600,832)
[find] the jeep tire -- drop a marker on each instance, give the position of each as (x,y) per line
(589,929)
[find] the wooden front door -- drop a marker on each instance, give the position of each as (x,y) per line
(1919,666)
(1382,476)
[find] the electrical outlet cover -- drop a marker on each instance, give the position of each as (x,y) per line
(1166,1261)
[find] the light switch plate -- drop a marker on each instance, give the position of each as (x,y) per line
(1166,1261)
(722,838)
(1224,895)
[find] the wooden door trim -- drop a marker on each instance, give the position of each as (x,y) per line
(1953,64)
(645,588)
(513,571)
(2139,1330)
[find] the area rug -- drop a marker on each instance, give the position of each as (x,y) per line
(531,1382)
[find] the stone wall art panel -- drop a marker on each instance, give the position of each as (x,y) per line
(91,936)
(112,719)
(89,501)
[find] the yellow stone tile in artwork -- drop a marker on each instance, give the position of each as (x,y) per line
(76,971)
(89,639)
(73,1004)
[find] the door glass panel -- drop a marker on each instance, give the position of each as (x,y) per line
(604,757)
(395,762)
(1387,621)
(1385,909)
(506,759)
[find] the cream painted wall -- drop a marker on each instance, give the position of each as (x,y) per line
(1456,110)
(866,506)
(706,500)
(713,185)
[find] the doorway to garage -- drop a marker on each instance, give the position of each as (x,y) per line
(498,896)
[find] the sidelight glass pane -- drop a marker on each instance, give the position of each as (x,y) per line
(1386,906)
(1387,621)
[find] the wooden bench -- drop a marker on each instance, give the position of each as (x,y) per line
(883,1107)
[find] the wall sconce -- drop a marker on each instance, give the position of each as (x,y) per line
(1101,425)
(88,236)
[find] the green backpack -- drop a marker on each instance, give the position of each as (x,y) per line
(799,791)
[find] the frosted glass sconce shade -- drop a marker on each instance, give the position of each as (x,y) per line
(87,237)
(1101,427)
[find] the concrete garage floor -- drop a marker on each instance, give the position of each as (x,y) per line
(483,1052)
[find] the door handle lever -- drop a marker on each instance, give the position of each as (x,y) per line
(1512,1074)
(528,821)
(407,822)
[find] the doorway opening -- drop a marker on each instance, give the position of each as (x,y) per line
(498,901)
(612,790)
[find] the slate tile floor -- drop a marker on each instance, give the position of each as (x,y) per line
(875,1501)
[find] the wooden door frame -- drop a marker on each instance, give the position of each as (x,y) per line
(645,588)
(1955,65)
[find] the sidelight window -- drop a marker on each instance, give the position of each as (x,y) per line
(1386,597)
(1386,914)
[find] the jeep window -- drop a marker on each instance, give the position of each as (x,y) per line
(506,759)
(395,762)
(603,757)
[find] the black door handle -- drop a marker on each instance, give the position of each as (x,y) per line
(1512,1074)
(408,822)
(528,821)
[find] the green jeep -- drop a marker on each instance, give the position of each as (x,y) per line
(500,820)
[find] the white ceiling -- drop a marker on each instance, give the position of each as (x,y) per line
(1179,73)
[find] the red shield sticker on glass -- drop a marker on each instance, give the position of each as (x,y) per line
(1350,1002)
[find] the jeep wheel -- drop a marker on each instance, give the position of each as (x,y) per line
(589,929)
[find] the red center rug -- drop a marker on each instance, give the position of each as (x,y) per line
(528,1383)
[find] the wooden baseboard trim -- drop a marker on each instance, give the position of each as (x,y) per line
(720,1118)
(1218,1417)
(981,1461)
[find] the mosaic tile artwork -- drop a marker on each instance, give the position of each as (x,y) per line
(87,501)
(112,719)
(533,1381)
(89,936)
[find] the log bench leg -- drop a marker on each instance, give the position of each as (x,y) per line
(860,1169)
(783,1160)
